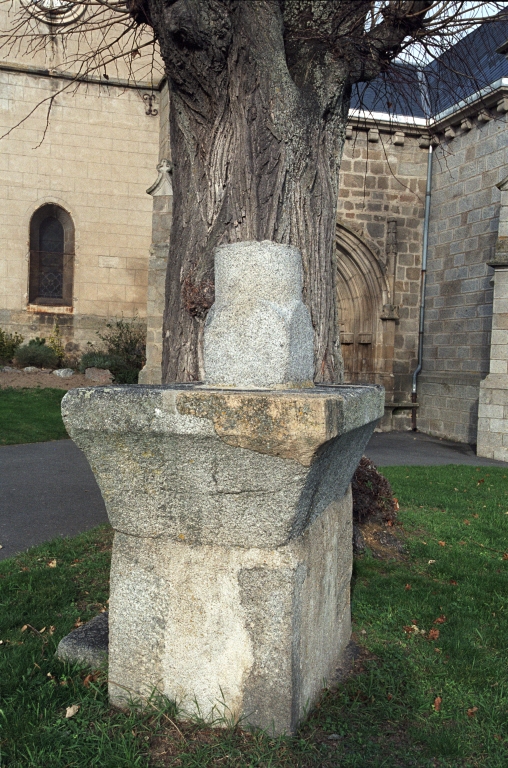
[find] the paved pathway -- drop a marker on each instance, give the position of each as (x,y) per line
(48,489)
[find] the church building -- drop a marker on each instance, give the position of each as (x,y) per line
(421,237)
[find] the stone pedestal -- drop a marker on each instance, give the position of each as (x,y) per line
(231,507)
(232,553)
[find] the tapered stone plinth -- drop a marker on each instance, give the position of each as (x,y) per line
(232,551)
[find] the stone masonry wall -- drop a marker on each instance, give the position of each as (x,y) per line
(383,177)
(96,160)
(462,237)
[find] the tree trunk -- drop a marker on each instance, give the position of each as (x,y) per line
(256,152)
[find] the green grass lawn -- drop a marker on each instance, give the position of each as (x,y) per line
(30,415)
(430,687)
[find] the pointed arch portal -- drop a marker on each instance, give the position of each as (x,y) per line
(367,336)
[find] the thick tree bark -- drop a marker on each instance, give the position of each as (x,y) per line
(259,102)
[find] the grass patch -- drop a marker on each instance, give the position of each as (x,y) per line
(416,698)
(30,415)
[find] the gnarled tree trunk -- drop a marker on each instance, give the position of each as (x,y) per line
(260,92)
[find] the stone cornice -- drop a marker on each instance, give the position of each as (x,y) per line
(56,74)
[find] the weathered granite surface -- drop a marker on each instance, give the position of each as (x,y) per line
(188,464)
(258,333)
(87,644)
(233,631)
(232,552)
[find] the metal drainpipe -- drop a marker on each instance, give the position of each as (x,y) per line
(425,247)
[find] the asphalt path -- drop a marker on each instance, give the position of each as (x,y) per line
(48,489)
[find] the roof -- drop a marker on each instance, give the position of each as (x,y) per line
(473,63)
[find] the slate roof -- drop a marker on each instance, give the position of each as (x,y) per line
(470,65)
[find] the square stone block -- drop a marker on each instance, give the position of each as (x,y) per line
(232,632)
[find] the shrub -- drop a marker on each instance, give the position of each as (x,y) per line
(55,342)
(36,353)
(8,345)
(127,340)
(123,352)
(372,494)
(123,373)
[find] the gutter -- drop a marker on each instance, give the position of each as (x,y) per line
(425,248)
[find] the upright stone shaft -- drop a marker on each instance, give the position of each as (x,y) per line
(259,332)
(231,508)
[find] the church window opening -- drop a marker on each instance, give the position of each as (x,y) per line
(51,256)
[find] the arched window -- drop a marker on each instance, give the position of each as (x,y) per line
(51,256)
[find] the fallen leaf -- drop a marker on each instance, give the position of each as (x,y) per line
(396,504)
(476,516)
(24,627)
(431,561)
(472,712)
(466,522)
(452,581)
(433,634)
(52,564)
(389,697)
(442,543)
(42,630)
(78,622)
(440,619)
(438,650)
(407,587)
(505,556)
(51,630)
(437,703)
(91,678)
(71,711)
(480,481)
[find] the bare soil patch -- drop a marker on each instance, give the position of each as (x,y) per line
(19,379)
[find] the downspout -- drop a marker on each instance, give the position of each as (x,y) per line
(425,248)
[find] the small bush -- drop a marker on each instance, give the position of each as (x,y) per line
(9,342)
(36,353)
(123,353)
(123,373)
(126,339)
(55,342)
(372,494)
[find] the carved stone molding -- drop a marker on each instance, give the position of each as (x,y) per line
(164,184)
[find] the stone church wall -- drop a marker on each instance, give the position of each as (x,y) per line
(95,159)
(381,197)
(462,236)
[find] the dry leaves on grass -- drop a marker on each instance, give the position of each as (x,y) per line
(92,677)
(51,563)
(433,634)
(472,711)
(72,710)
(440,619)
(437,703)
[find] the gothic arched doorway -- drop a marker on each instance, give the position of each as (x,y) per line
(363,292)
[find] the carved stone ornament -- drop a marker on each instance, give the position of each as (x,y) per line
(54,12)
(163,184)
